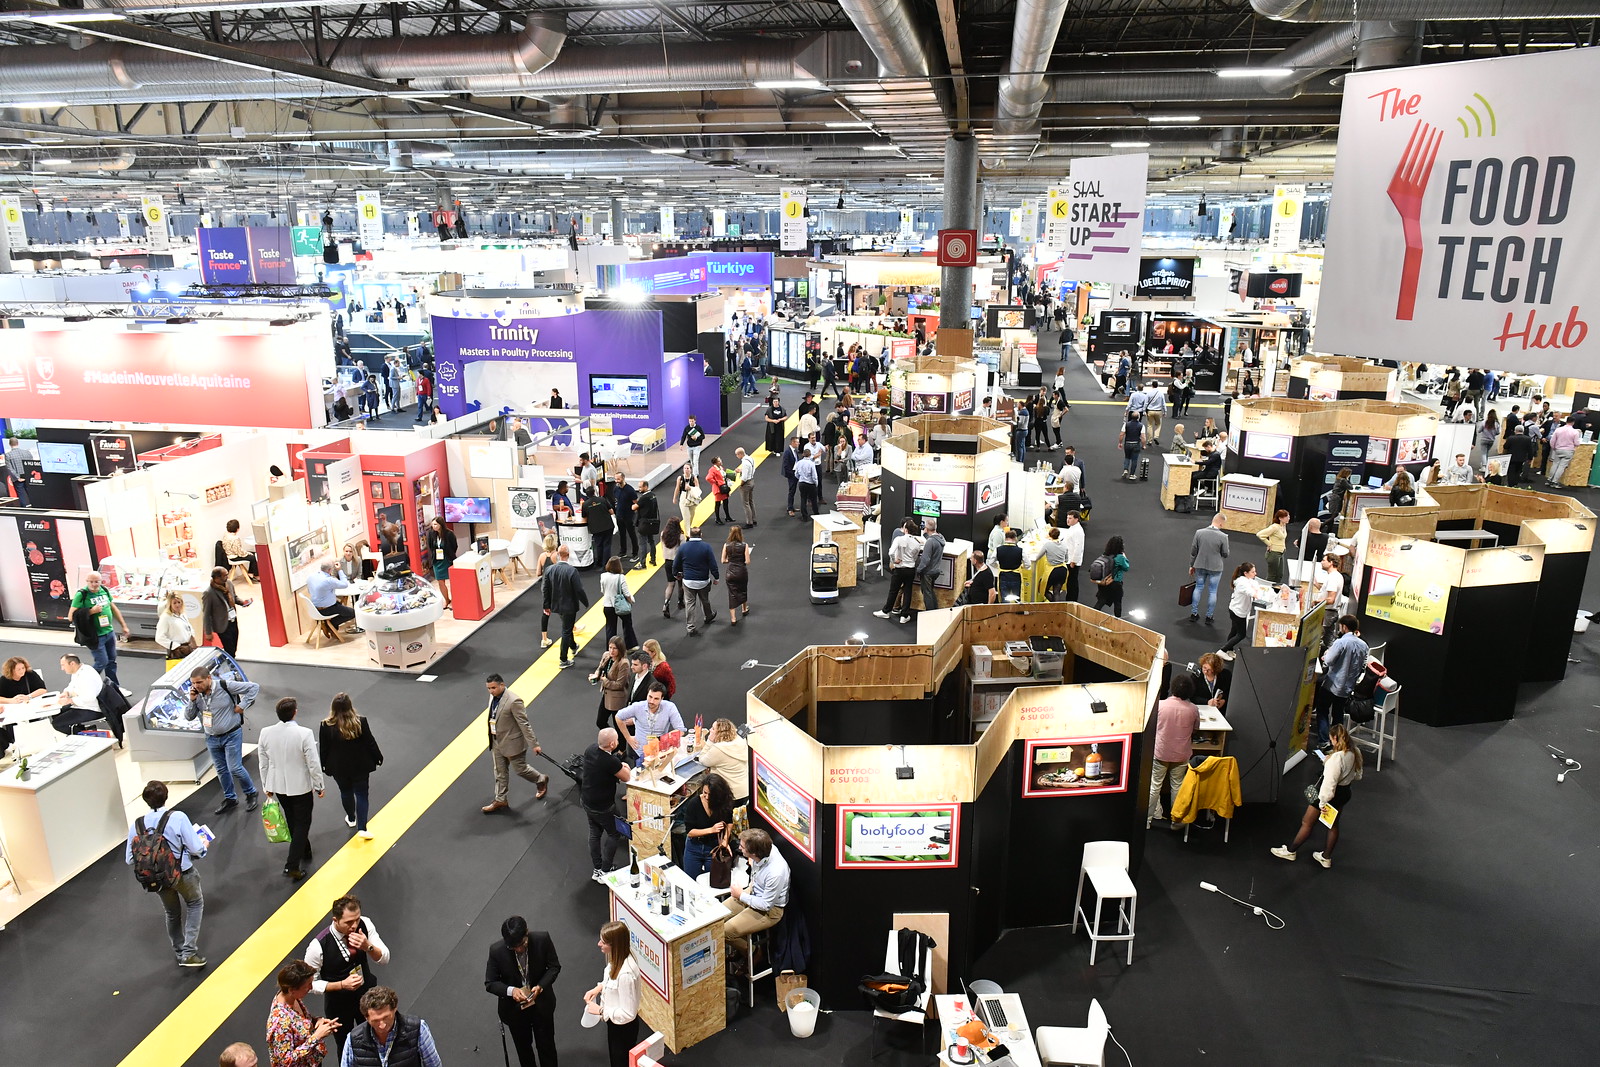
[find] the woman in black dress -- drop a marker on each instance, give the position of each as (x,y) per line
(441,553)
(736,571)
(349,755)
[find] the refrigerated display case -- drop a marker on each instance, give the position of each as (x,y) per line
(169,746)
(398,614)
(138,587)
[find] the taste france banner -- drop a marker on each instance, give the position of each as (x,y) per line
(1464,215)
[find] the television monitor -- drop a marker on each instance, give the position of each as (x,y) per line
(926,506)
(467,509)
(614,391)
(58,458)
(1273,447)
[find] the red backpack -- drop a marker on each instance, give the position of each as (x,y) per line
(155,865)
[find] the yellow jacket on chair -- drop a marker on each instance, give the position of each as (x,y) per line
(1212,786)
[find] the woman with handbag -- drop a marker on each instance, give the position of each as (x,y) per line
(173,631)
(613,674)
(220,612)
(616,998)
(736,572)
(617,601)
(671,537)
(686,494)
(349,756)
(1339,770)
(718,477)
(704,819)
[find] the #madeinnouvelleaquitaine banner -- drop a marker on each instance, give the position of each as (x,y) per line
(1464,215)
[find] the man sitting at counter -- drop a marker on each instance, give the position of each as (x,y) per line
(761,904)
(655,714)
(80,700)
(322,589)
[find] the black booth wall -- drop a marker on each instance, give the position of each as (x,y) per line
(895,508)
(64,492)
(1560,590)
(680,322)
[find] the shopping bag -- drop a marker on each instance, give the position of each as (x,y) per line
(214,640)
(1185,595)
(721,865)
(274,822)
(787,982)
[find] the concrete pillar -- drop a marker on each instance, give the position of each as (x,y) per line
(617,226)
(962,211)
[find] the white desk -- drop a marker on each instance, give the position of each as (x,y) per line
(953,1010)
(31,719)
(67,814)
(1467,535)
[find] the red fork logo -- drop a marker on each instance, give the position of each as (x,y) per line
(1406,189)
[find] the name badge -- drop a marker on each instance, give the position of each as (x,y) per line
(438,553)
(205,719)
(232,614)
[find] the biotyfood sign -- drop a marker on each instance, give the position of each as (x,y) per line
(893,836)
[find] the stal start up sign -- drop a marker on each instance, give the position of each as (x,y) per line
(1464,215)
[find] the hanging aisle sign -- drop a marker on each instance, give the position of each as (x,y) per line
(792,224)
(1465,215)
(1030,221)
(719,222)
(157,234)
(1057,206)
(1105,218)
(123,230)
(413,224)
(1286,204)
(669,221)
(11,218)
(908,222)
(369,218)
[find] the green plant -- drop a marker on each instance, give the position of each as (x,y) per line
(730,383)
(26,434)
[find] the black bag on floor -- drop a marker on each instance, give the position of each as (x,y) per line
(897,993)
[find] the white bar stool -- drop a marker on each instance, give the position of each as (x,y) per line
(1106,864)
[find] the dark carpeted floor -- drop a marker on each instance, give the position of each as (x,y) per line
(1455,927)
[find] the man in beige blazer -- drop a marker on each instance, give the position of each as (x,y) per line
(510,740)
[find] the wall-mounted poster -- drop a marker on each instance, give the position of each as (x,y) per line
(991,493)
(898,835)
(1407,600)
(1250,498)
(1121,324)
(929,403)
(952,496)
(1273,447)
(963,402)
(1413,450)
(1378,450)
(1076,766)
(790,810)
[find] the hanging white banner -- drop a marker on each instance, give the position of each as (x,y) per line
(123,230)
(669,221)
(719,222)
(369,218)
(1464,215)
(413,224)
(792,221)
(157,234)
(1286,207)
(1105,219)
(1030,221)
(1225,222)
(1055,216)
(908,222)
(1016,222)
(11,217)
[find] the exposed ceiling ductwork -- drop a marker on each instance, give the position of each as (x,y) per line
(905,105)
(1022,87)
(1348,10)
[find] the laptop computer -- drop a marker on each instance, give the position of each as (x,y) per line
(987,1008)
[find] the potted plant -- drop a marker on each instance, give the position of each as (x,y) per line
(730,386)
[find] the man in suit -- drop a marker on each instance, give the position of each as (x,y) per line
(791,456)
(510,739)
(521,976)
(643,675)
(291,772)
(563,596)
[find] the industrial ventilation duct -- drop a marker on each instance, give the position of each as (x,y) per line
(1347,10)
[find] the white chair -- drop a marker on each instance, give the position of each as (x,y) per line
(1205,492)
(1376,651)
(869,547)
(519,549)
(1384,727)
(1083,1046)
(917,1016)
(1106,865)
(325,625)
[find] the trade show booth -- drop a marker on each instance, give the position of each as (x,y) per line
(1341,378)
(933,385)
(1474,594)
(899,780)
(1303,444)
(953,468)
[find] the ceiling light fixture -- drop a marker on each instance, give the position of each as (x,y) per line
(1255,72)
(848,125)
(74,15)
(1130,144)
(1172,118)
(790,83)
(668,151)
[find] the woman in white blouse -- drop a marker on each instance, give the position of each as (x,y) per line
(728,754)
(173,630)
(616,998)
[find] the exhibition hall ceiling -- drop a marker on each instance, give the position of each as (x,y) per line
(563,104)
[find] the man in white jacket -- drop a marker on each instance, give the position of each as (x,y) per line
(291,772)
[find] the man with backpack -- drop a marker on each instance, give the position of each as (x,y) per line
(162,847)
(220,706)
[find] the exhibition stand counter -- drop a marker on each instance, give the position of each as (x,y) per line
(953,468)
(164,743)
(854,746)
(64,813)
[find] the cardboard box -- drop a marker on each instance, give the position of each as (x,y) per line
(982,662)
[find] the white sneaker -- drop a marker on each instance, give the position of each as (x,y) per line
(1283,853)
(125,691)
(365,835)
(1320,858)
(348,821)
(881,614)
(597,875)
(1226,654)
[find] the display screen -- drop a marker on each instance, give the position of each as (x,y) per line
(619,391)
(57,458)
(467,509)
(1268,446)
(927,506)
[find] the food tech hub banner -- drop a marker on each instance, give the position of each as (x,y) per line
(182,376)
(1465,213)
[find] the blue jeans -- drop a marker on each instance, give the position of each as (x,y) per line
(353,795)
(227,756)
(747,382)
(1205,592)
(697,854)
(105,657)
(184,905)
(1019,445)
(1130,461)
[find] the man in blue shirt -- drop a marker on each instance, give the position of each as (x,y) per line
(322,589)
(761,904)
(1342,665)
(387,1037)
(696,567)
(182,900)
(655,716)
(805,476)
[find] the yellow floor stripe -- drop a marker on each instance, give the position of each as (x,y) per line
(192,1023)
